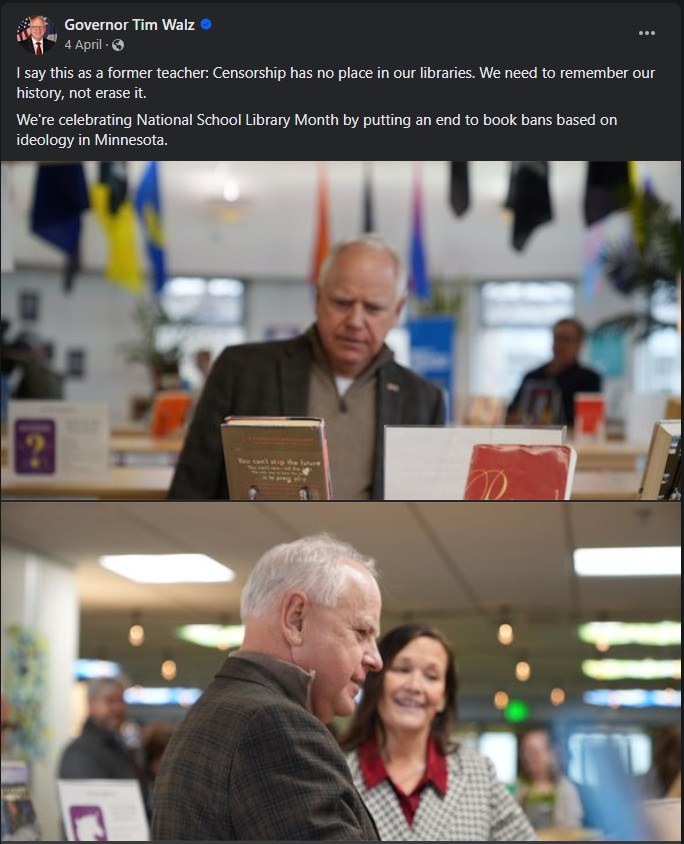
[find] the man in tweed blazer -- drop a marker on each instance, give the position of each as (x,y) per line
(253,760)
(340,370)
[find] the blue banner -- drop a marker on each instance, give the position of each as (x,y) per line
(432,352)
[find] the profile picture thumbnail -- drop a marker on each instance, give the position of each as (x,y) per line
(36,34)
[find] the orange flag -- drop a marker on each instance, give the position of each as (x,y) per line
(322,239)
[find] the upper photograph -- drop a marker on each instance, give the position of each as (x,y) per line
(348,330)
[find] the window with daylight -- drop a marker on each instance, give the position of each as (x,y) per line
(658,361)
(633,749)
(204,313)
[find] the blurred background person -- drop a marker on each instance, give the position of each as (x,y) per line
(203,359)
(154,738)
(563,370)
(27,368)
(100,752)
(664,776)
(416,782)
(547,797)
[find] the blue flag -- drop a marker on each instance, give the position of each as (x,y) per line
(148,206)
(60,198)
(418,278)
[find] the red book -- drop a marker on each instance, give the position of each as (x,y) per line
(590,416)
(520,473)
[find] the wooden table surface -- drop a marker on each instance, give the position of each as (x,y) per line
(122,483)
(613,455)
(134,483)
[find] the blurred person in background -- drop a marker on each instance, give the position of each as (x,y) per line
(664,776)
(418,784)
(203,360)
(564,369)
(548,798)
(153,739)
(100,751)
(26,362)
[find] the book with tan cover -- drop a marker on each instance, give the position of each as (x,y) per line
(662,479)
(276,458)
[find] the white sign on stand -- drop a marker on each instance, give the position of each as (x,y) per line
(103,810)
(57,441)
(428,463)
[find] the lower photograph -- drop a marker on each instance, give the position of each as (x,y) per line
(400,671)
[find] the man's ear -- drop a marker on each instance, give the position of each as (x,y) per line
(292,616)
(398,308)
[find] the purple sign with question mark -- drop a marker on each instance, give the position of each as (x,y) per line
(34,446)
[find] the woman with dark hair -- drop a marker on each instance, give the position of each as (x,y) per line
(547,797)
(418,784)
(661,779)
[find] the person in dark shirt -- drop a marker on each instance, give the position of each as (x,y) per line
(563,370)
(100,751)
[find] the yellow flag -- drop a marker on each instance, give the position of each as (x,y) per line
(123,266)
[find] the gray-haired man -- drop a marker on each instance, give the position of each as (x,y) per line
(253,759)
(339,370)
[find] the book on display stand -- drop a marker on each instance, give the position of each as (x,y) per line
(276,458)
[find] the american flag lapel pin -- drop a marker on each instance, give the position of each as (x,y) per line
(392,387)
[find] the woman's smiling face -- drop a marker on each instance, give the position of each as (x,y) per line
(414,686)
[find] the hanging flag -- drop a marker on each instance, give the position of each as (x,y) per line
(418,280)
(608,189)
(60,198)
(459,192)
(148,206)
(322,238)
(112,205)
(368,222)
(528,198)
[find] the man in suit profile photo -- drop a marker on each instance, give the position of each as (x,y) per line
(36,42)
(339,370)
(253,759)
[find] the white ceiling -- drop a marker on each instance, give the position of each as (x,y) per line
(456,565)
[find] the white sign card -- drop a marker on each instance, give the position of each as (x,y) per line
(428,463)
(103,810)
(57,441)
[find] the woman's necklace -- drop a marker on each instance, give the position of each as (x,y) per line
(414,773)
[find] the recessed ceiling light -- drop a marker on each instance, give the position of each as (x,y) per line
(221,636)
(168,568)
(655,634)
(639,698)
(659,561)
(637,669)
